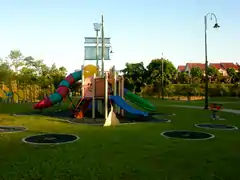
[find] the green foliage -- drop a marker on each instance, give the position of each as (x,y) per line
(233,75)
(215,90)
(154,77)
(155,74)
(135,76)
(183,78)
(196,72)
(27,70)
(214,74)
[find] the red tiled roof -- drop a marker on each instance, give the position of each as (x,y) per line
(200,65)
(238,65)
(229,65)
(181,68)
(216,65)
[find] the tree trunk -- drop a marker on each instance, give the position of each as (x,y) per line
(159,90)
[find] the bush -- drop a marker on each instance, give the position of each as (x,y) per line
(215,90)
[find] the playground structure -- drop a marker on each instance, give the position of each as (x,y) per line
(103,94)
(100,92)
(19,95)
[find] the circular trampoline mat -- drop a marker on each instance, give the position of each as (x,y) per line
(217,126)
(50,139)
(190,135)
(4,129)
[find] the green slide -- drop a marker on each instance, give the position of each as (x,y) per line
(138,101)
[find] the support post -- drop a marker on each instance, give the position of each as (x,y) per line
(93,96)
(103,47)
(206,64)
(98,106)
(119,93)
(122,93)
(97,53)
(115,88)
(82,81)
(106,96)
(162,82)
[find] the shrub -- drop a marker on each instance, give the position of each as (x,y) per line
(214,90)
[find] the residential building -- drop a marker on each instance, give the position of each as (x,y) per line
(229,65)
(181,68)
(222,67)
(189,66)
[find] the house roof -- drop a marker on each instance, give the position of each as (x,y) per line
(228,65)
(181,68)
(216,65)
(200,65)
(238,65)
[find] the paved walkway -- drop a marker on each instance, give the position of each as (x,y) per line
(223,102)
(235,111)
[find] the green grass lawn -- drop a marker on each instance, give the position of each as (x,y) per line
(126,152)
(228,103)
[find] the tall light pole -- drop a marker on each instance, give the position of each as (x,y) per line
(162,78)
(103,47)
(206,57)
(97,27)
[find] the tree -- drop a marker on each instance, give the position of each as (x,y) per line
(135,76)
(155,71)
(238,74)
(16,59)
(169,90)
(183,78)
(232,74)
(57,74)
(223,89)
(213,73)
(27,72)
(196,74)
(156,76)
(5,71)
(236,88)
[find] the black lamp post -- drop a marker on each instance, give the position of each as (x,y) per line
(206,57)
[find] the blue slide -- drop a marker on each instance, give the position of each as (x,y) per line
(122,104)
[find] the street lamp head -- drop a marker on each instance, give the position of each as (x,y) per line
(97,26)
(111,51)
(216,26)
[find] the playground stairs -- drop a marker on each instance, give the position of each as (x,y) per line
(83,107)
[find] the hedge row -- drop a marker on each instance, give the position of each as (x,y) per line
(214,90)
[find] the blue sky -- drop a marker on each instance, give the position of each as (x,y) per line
(142,30)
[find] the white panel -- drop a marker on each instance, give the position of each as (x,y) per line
(90,53)
(92,40)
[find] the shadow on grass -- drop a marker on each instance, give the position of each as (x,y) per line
(66,115)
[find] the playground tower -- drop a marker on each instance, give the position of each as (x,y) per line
(99,90)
